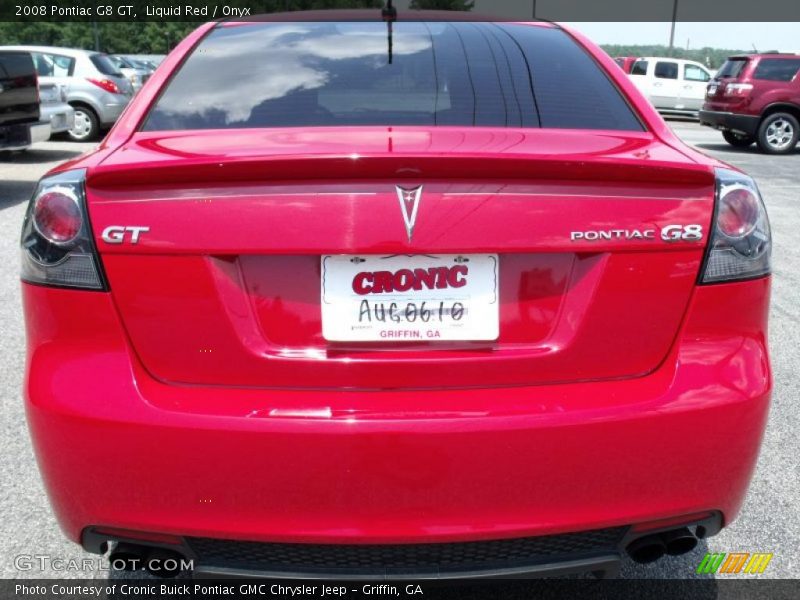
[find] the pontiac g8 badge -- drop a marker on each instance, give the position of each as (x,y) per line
(669,233)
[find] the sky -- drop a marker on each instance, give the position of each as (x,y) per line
(735,36)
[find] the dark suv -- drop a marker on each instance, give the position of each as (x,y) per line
(19,103)
(756,98)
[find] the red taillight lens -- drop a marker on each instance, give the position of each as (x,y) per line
(57,216)
(738,211)
(106,84)
(738,89)
(56,243)
(741,243)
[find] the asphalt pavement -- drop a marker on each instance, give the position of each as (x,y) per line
(769,521)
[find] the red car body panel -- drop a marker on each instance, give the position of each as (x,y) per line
(198,397)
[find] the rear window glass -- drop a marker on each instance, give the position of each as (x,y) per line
(731,68)
(339,74)
(53,65)
(105,65)
(16,64)
(777,69)
(120,62)
(639,68)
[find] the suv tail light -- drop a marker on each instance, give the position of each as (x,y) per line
(741,243)
(57,245)
(738,89)
(106,84)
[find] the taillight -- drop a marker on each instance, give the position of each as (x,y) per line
(741,243)
(738,89)
(106,84)
(57,246)
(57,215)
(738,211)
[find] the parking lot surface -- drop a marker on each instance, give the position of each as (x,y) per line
(770,519)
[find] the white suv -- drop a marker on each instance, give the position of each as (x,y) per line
(674,86)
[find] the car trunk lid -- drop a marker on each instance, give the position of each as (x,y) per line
(225,284)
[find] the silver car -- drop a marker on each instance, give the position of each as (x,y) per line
(94,86)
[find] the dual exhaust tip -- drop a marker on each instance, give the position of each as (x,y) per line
(674,542)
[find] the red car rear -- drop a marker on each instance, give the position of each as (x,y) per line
(448,302)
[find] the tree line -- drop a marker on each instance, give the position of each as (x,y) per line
(710,57)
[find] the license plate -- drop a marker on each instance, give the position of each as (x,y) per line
(416,298)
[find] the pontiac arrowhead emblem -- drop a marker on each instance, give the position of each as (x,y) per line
(409,205)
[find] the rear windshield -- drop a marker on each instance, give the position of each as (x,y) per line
(339,74)
(120,62)
(14,65)
(105,65)
(777,69)
(731,68)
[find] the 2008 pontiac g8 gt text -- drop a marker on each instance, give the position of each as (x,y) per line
(440,299)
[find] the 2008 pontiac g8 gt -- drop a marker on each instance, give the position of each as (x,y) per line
(395,299)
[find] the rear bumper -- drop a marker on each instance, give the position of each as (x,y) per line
(60,116)
(728,121)
(22,136)
(40,132)
(118,448)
